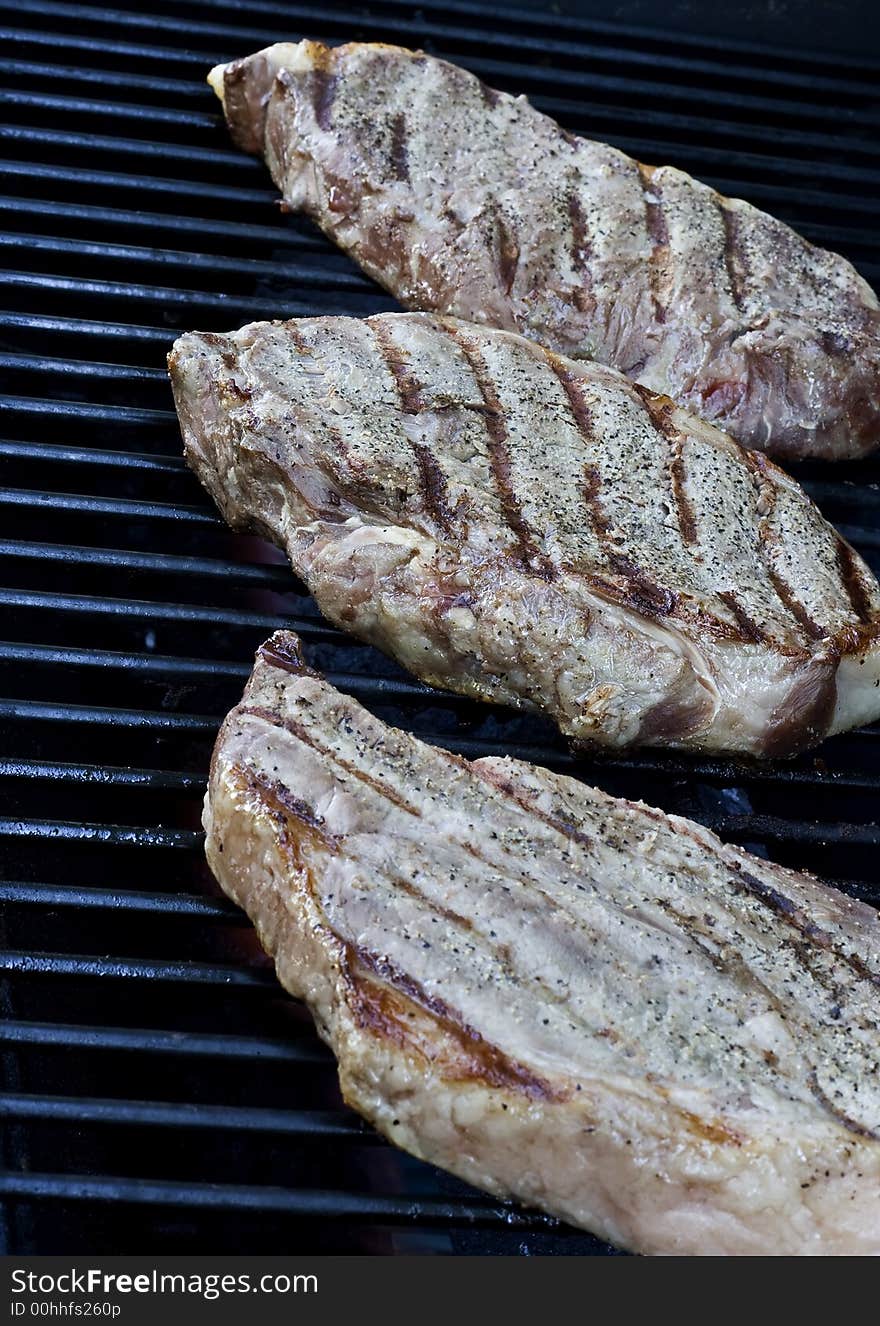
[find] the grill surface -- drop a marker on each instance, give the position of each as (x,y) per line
(160,1093)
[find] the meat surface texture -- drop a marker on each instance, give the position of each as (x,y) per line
(465,201)
(536,531)
(560,996)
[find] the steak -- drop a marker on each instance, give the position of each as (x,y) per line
(536,531)
(466,201)
(560,996)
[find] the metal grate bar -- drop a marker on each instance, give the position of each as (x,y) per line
(305,274)
(315,1125)
(81,774)
(117,460)
(179,27)
(47,712)
(578,33)
(119,332)
(561,108)
(120,416)
(108,506)
(24,894)
(138,969)
(140,1040)
(120,559)
(113,835)
(196,303)
(164,612)
(119,219)
(62,141)
(44,71)
(87,178)
(305,1203)
(107,110)
(128,373)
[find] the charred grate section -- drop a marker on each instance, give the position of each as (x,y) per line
(159,1090)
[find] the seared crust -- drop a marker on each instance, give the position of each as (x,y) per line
(560,996)
(536,531)
(466,201)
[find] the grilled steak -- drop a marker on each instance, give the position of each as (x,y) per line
(536,531)
(558,995)
(467,201)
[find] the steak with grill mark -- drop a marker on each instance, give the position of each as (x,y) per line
(560,996)
(466,201)
(536,531)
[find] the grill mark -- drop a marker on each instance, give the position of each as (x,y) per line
(525,802)
(481,1060)
(643,595)
(506,252)
(849,1123)
(469,767)
(532,558)
(581,254)
(502,951)
(853,582)
(435,493)
(687,522)
(432,905)
(598,519)
(484,1061)
(318,410)
(750,980)
(766,498)
(584,423)
(717,1132)
(399,153)
(734,256)
(640,594)
(786,594)
(792,913)
(297,337)
(409,389)
(283,807)
(578,406)
(659,410)
(593,480)
(750,629)
(658,233)
(433,482)
(302,734)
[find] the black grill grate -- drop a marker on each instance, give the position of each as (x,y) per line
(160,1093)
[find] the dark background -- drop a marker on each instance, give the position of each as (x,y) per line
(846,27)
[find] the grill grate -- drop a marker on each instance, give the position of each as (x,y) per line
(157,1083)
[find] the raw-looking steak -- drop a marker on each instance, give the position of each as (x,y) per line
(536,531)
(466,201)
(560,996)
